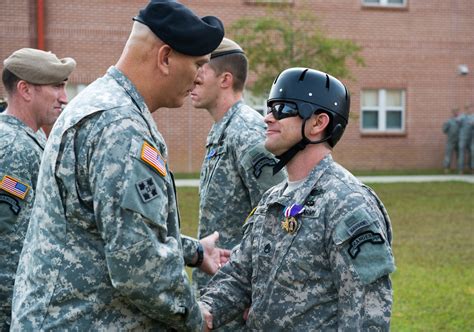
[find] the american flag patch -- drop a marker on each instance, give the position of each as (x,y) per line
(14,187)
(153,157)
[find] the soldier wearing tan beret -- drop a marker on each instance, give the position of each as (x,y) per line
(35,83)
(237,169)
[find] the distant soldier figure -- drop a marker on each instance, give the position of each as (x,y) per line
(464,139)
(471,122)
(451,130)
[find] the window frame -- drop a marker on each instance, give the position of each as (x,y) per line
(382,109)
(384,4)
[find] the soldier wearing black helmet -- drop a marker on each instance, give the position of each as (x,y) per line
(316,253)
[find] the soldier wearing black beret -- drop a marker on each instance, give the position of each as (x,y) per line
(104,231)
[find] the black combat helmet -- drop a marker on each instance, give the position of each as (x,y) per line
(311,91)
(314,91)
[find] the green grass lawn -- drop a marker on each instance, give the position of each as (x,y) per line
(433,226)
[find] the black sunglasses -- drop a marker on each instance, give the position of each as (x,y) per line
(281,110)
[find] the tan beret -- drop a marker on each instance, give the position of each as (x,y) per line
(226,47)
(39,67)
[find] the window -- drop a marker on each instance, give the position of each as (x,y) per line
(73,90)
(385,3)
(383,111)
(269,1)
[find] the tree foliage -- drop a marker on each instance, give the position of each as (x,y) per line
(282,40)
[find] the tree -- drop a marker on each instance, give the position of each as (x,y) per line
(275,42)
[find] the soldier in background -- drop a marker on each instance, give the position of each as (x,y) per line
(464,139)
(103,250)
(237,169)
(35,82)
(470,109)
(451,130)
(316,253)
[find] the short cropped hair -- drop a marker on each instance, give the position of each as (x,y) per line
(236,64)
(9,81)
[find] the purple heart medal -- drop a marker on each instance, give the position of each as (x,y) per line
(290,224)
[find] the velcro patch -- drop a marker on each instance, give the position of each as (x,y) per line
(153,157)
(147,189)
(260,164)
(14,206)
(14,187)
(358,226)
(374,238)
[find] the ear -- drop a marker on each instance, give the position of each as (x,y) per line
(319,122)
(163,59)
(24,89)
(227,79)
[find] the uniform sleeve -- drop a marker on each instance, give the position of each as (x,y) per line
(361,260)
(228,293)
(132,200)
(18,173)
(256,165)
(19,168)
(190,246)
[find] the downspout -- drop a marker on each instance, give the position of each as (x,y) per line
(40,23)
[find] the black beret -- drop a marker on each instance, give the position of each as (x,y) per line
(180,28)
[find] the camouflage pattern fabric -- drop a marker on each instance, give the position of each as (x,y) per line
(451,130)
(236,171)
(103,249)
(20,157)
(471,121)
(464,139)
(328,272)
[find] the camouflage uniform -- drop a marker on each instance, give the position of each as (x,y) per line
(103,249)
(20,156)
(451,129)
(236,171)
(471,121)
(464,140)
(331,274)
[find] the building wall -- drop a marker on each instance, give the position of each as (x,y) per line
(417,48)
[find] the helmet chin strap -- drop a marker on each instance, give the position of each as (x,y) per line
(284,158)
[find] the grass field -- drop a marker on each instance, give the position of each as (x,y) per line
(433,225)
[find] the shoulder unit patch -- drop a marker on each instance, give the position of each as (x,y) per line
(14,187)
(153,157)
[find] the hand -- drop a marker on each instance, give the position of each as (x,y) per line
(214,257)
(207,317)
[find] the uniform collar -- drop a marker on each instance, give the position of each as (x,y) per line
(19,125)
(299,196)
(218,128)
(128,86)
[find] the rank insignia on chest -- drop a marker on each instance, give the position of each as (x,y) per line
(14,187)
(153,157)
(290,224)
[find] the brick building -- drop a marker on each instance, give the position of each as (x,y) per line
(419,59)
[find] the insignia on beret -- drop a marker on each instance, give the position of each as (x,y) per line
(226,47)
(153,157)
(39,67)
(14,206)
(180,28)
(147,189)
(14,187)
